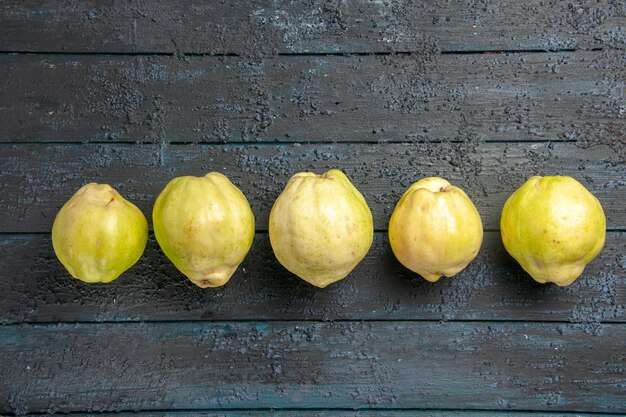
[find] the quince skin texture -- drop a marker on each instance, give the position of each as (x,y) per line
(435,229)
(97,234)
(205,227)
(320,227)
(553,227)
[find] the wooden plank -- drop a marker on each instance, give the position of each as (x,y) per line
(291,26)
(107,367)
(422,97)
(352,413)
(36,180)
(35,288)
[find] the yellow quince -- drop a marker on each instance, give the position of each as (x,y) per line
(435,229)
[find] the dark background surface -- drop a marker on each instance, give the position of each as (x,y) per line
(485,94)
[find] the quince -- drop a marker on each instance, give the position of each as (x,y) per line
(553,227)
(205,226)
(320,227)
(435,229)
(97,234)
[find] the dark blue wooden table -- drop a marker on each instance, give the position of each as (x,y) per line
(485,94)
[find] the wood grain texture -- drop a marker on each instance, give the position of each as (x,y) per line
(36,288)
(289,26)
(36,180)
(108,367)
(420,97)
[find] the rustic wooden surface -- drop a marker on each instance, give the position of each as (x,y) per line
(483,93)
(377,364)
(336,412)
(245,27)
(425,96)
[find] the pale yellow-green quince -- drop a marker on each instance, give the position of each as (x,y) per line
(320,227)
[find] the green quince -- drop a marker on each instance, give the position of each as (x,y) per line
(97,234)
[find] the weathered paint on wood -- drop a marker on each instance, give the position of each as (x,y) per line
(292,26)
(36,180)
(36,288)
(108,367)
(422,97)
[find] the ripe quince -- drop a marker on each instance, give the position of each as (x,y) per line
(553,227)
(320,227)
(435,229)
(205,227)
(97,234)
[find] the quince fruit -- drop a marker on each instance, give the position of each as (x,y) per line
(205,227)
(435,229)
(97,234)
(553,227)
(320,227)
